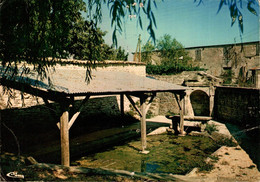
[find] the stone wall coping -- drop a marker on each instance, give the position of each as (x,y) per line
(97,63)
(91,63)
(244,88)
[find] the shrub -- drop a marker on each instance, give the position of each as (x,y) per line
(169,69)
(211,128)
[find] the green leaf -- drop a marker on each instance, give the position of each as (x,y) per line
(249,7)
(240,20)
(114,37)
(233,13)
(221,4)
(153,18)
(155,4)
(140,22)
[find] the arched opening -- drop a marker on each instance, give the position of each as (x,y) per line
(200,103)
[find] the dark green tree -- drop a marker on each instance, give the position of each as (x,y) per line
(121,54)
(172,51)
(110,53)
(147,51)
(86,41)
(172,55)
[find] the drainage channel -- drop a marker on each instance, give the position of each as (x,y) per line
(249,140)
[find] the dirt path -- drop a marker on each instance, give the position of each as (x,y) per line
(234,164)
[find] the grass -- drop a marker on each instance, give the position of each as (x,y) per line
(229,142)
(168,153)
(10,163)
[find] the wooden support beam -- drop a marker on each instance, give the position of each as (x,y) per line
(49,106)
(149,103)
(64,137)
(133,104)
(75,115)
(72,106)
(73,119)
(182,105)
(122,104)
(143,124)
(177,100)
(33,90)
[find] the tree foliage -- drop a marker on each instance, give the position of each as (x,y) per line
(171,50)
(40,31)
(110,53)
(36,30)
(172,55)
(147,50)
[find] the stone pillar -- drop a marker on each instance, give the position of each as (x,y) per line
(257,78)
(188,107)
(211,99)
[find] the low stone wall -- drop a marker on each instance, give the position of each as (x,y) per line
(237,105)
(166,101)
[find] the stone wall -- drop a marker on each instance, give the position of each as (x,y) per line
(238,105)
(167,101)
(121,66)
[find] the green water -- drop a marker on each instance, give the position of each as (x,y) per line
(168,154)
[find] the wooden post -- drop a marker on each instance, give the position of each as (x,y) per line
(122,104)
(182,133)
(143,125)
(64,136)
(211,99)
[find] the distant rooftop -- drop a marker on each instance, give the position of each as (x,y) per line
(222,45)
(218,45)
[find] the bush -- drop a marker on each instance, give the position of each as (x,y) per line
(210,128)
(169,69)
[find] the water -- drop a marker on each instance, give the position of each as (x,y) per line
(248,139)
(149,167)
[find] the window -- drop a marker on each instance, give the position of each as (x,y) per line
(198,55)
(257,49)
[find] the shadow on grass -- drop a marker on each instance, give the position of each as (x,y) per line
(38,136)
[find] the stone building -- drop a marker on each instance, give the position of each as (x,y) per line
(256,77)
(232,62)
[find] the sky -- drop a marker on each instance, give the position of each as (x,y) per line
(188,23)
